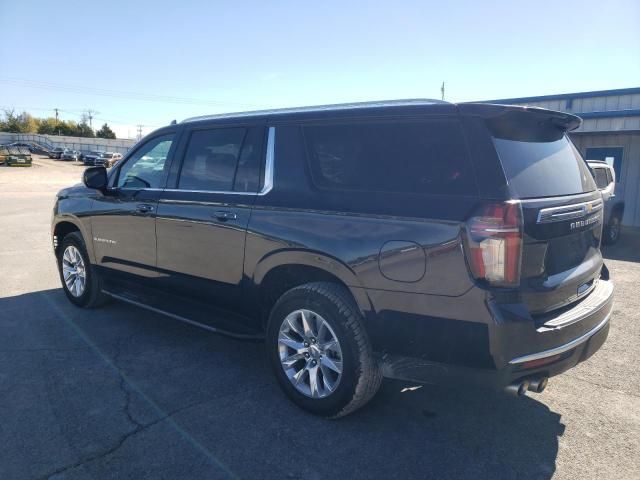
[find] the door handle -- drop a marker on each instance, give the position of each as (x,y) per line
(224,215)
(144,208)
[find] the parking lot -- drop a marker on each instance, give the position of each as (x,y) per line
(120,392)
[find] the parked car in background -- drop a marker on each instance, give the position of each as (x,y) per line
(13,156)
(108,159)
(419,240)
(605,177)
(69,154)
(89,158)
(28,146)
(56,153)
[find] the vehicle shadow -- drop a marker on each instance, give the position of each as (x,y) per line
(126,390)
(627,249)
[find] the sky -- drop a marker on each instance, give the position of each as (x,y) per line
(147,63)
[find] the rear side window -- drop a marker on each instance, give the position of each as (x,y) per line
(425,157)
(211,158)
(223,159)
(247,177)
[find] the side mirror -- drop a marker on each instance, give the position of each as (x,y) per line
(96,178)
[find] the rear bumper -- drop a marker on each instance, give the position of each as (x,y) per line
(519,347)
(420,371)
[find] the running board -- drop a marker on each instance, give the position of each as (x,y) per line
(240,336)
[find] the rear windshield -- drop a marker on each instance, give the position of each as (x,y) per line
(537,157)
(543,169)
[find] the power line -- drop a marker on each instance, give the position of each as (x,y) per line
(116,93)
(76,113)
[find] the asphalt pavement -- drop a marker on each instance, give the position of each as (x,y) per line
(122,393)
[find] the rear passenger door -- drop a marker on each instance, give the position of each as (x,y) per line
(204,212)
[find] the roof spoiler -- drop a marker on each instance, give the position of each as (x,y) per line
(564,121)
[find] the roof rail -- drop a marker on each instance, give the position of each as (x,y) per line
(319,108)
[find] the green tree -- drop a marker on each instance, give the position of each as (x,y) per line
(105,132)
(47,126)
(20,123)
(84,130)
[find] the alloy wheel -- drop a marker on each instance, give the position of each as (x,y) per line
(73,271)
(310,353)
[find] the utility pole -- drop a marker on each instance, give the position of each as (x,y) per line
(139,132)
(442,90)
(58,128)
(90,115)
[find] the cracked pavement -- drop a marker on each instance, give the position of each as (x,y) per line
(123,393)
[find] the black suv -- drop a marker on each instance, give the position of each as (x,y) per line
(418,240)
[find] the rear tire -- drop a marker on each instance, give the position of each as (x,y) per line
(73,257)
(329,312)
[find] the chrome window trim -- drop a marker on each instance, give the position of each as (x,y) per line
(268,174)
(269,162)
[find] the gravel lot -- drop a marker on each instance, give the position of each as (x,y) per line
(123,393)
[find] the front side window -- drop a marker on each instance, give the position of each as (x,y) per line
(425,157)
(146,167)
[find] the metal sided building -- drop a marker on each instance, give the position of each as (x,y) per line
(610,131)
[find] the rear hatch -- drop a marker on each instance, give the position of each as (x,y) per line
(562,209)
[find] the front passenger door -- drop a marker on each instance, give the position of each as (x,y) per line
(123,219)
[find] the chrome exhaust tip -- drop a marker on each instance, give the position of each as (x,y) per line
(538,385)
(518,389)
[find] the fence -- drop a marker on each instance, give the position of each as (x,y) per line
(75,143)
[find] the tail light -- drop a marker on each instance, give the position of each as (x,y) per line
(494,243)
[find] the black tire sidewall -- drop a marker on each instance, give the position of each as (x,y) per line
(331,313)
(614,222)
(607,234)
(75,240)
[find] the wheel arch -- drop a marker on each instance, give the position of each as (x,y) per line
(281,271)
(67,225)
(618,209)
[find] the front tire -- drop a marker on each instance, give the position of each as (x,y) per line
(320,352)
(612,231)
(80,280)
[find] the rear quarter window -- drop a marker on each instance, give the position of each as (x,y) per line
(423,157)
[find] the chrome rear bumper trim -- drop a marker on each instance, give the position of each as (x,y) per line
(562,348)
